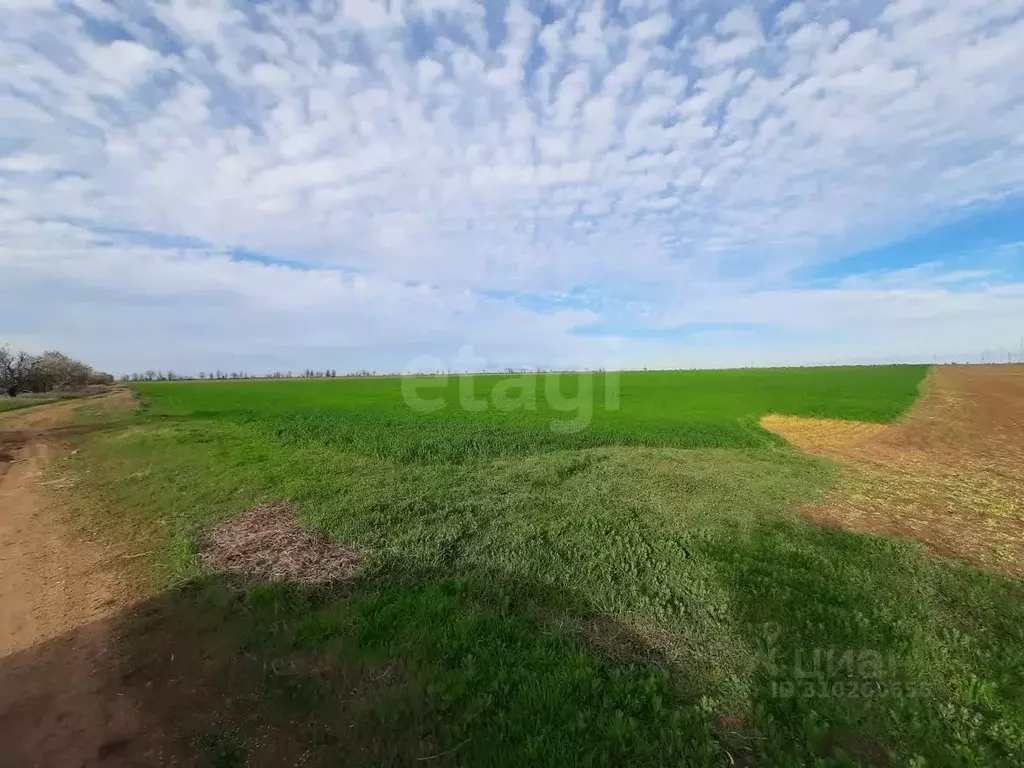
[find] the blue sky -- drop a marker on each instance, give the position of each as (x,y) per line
(414,184)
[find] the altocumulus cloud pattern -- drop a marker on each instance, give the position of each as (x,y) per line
(266,184)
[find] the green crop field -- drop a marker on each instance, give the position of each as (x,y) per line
(453,418)
(610,573)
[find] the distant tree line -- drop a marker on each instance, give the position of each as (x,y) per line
(329,373)
(309,373)
(51,371)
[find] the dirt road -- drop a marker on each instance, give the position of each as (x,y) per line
(59,698)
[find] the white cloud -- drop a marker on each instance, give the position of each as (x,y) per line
(742,21)
(121,61)
(28,163)
(792,13)
(662,154)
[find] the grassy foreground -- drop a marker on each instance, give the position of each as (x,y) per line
(638,592)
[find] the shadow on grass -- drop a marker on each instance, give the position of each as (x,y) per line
(427,671)
(416,667)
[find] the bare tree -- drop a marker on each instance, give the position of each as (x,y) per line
(15,371)
(52,370)
(6,366)
(55,370)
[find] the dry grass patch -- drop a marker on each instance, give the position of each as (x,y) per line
(268,543)
(947,474)
(625,643)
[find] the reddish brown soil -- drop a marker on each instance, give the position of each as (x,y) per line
(947,474)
